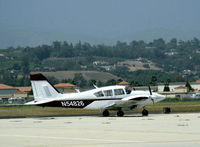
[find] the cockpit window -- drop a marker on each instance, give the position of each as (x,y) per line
(99,94)
(128,90)
(108,92)
(119,91)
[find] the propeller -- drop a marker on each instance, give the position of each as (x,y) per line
(151,94)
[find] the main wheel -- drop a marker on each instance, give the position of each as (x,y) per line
(145,112)
(120,113)
(105,113)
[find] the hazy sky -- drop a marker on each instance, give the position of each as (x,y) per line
(98,18)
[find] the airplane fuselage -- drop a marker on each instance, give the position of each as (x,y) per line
(106,98)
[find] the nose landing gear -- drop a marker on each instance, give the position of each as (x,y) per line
(145,112)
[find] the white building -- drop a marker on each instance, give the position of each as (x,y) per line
(174,86)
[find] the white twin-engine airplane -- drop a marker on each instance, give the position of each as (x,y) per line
(107,98)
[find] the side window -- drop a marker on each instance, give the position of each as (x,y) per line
(99,94)
(119,91)
(108,92)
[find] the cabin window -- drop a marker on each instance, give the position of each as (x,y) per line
(119,91)
(108,92)
(99,94)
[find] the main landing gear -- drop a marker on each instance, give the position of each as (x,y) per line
(120,113)
(106,113)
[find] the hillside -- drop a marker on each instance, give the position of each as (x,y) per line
(137,62)
(88,75)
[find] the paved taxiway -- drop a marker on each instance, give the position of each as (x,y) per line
(155,130)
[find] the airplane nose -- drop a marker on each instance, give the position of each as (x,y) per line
(160,97)
(157,97)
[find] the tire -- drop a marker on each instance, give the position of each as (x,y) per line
(166,110)
(105,113)
(120,113)
(145,112)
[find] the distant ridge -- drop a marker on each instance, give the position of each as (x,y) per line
(22,37)
(88,75)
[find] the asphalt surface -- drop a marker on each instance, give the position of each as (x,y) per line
(156,130)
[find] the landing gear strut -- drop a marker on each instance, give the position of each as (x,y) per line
(145,112)
(120,113)
(105,113)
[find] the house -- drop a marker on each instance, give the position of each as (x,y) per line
(65,87)
(2,55)
(7,91)
(181,89)
(100,63)
(23,92)
(123,83)
(178,89)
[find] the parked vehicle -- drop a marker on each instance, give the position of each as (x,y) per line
(196,95)
(16,100)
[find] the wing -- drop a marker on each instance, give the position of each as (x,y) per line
(129,103)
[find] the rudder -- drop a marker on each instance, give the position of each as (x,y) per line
(42,88)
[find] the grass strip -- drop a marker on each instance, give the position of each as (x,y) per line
(35,111)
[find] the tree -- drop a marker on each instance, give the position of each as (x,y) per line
(172,44)
(189,86)
(166,88)
(111,82)
(79,80)
(92,82)
(159,43)
(153,80)
(134,83)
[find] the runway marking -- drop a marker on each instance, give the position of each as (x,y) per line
(102,141)
(69,138)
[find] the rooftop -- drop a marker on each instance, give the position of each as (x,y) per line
(4,86)
(64,85)
(181,87)
(24,89)
(123,83)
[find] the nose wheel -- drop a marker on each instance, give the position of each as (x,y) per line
(145,112)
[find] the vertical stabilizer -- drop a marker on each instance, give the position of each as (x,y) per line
(42,88)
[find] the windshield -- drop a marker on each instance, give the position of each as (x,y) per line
(99,94)
(128,90)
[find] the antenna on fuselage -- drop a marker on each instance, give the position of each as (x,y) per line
(95,86)
(77,90)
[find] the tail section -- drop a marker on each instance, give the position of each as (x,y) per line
(42,88)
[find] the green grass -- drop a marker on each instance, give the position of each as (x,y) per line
(34,111)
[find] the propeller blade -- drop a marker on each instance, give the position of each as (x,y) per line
(152,100)
(151,94)
(150,90)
